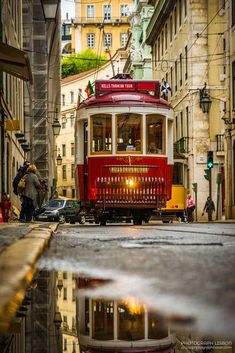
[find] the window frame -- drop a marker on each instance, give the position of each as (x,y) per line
(163,119)
(92,116)
(90,40)
(125,12)
(116,134)
(105,12)
(90,6)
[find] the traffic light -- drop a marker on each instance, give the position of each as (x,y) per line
(194,187)
(210,162)
(207,174)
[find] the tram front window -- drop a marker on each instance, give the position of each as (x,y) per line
(103,328)
(155,134)
(129,133)
(130,321)
(101,133)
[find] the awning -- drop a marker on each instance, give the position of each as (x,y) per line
(15,62)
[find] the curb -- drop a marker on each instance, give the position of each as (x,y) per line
(17,267)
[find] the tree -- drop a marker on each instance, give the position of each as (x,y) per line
(81,62)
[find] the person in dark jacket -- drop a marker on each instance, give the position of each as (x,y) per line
(209,208)
(20,173)
(30,193)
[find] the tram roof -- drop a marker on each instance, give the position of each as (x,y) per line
(125,99)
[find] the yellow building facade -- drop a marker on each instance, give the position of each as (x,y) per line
(100,25)
(190,51)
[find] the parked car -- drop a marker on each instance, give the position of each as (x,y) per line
(61,210)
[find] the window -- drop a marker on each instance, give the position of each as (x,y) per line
(64,192)
(172,87)
(186,61)
(101,132)
(129,133)
(65,298)
(90,11)
(64,172)
(63,99)
(63,121)
(155,134)
(65,276)
(158,49)
(123,10)
(166,34)
(176,76)
(126,318)
(90,40)
(178,174)
(123,39)
(107,12)
(180,12)
(63,150)
(71,120)
(65,344)
(233,84)
(181,125)
(72,97)
(185,8)
(72,148)
(187,122)
(107,40)
(157,327)
(73,193)
(72,171)
(175,20)
(181,70)
(162,40)
(171,28)
(74,347)
(176,128)
(73,294)
(233,13)
(103,320)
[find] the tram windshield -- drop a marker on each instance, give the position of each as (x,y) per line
(101,133)
(129,132)
(155,134)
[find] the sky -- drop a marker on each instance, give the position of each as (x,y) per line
(67,6)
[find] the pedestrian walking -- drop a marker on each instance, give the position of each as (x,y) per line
(30,193)
(190,208)
(209,208)
(20,174)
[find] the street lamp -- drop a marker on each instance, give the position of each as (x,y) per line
(49,9)
(56,127)
(59,160)
(205,100)
(57,319)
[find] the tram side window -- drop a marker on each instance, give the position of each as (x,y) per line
(103,319)
(101,131)
(129,132)
(155,134)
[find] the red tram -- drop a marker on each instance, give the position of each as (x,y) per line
(124,151)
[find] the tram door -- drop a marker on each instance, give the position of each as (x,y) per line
(85,158)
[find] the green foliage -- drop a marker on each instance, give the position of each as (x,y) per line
(81,62)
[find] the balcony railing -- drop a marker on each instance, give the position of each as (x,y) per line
(182,145)
(100,20)
(219,143)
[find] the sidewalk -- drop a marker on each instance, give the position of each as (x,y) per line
(20,247)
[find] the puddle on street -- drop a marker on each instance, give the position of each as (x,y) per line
(62,312)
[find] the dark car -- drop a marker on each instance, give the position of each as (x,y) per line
(61,210)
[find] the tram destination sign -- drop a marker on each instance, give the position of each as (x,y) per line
(103,86)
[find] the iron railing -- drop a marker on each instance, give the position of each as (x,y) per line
(182,145)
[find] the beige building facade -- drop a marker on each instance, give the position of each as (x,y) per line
(190,51)
(102,26)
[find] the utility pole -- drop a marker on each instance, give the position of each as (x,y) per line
(219,195)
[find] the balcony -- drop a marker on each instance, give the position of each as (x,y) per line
(182,145)
(219,143)
(97,21)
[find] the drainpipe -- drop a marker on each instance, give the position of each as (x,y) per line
(2,116)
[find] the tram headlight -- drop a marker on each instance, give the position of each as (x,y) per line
(130,183)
